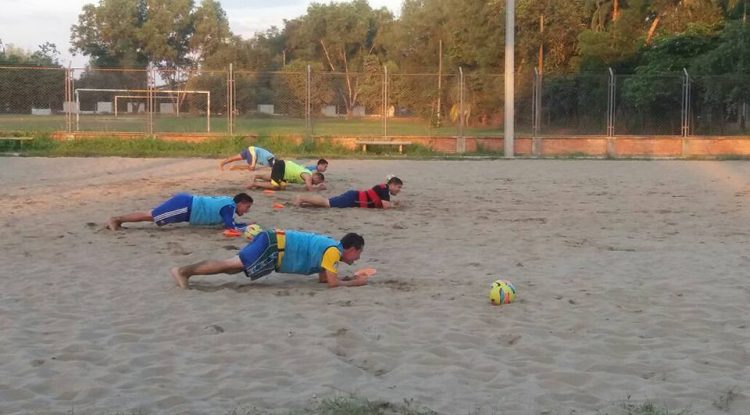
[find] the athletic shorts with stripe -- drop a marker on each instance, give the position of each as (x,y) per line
(174,210)
(259,257)
(348,199)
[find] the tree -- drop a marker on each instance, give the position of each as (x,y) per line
(340,36)
(109,34)
(169,35)
(211,30)
(676,15)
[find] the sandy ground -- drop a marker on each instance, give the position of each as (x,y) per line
(633,280)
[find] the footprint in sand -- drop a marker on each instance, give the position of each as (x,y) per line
(213,329)
(399,285)
(176,248)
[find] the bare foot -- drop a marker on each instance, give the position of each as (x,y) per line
(113,224)
(181,280)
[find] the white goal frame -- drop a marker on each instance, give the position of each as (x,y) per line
(153,92)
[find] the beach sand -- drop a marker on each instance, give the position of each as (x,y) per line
(632,277)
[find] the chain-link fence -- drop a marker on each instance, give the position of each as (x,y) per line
(32,99)
(369,104)
(720,105)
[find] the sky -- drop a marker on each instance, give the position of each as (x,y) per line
(30,23)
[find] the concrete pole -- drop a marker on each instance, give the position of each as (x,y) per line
(510,31)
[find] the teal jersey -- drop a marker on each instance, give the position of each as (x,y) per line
(206,210)
(303,252)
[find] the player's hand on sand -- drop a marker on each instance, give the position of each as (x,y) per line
(361,279)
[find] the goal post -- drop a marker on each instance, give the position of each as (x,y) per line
(154,94)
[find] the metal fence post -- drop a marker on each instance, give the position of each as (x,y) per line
(308,111)
(611,113)
(685,110)
(509,134)
(78,110)
(68,100)
(461,141)
(611,104)
(385,101)
(230,100)
(536,113)
(685,103)
(150,83)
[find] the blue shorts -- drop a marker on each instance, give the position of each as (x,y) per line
(176,209)
(259,256)
(348,199)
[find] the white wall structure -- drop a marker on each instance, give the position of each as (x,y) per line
(167,108)
(328,110)
(266,109)
(104,107)
(41,111)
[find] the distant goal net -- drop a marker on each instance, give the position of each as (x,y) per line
(122,102)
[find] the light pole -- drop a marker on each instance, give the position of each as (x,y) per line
(510,31)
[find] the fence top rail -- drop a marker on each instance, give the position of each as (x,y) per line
(109,69)
(39,68)
(156,91)
(445,74)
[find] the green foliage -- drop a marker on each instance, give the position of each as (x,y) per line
(342,37)
(47,55)
(150,147)
(168,34)
(348,44)
(144,147)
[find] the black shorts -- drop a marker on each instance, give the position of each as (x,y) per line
(277,173)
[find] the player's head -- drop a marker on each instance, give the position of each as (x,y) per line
(243,202)
(318,178)
(322,165)
(353,245)
(394,185)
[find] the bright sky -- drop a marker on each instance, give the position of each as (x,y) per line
(29,23)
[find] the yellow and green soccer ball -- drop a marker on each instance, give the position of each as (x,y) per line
(251,231)
(502,292)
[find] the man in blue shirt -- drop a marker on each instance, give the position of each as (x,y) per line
(195,209)
(291,252)
(321,166)
(255,157)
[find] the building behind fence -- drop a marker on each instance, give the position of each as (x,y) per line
(376,104)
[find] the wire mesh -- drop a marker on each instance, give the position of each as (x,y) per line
(32,99)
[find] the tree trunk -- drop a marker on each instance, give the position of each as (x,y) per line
(615,10)
(652,29)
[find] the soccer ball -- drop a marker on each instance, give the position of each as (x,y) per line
(251,231)
(502,292)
